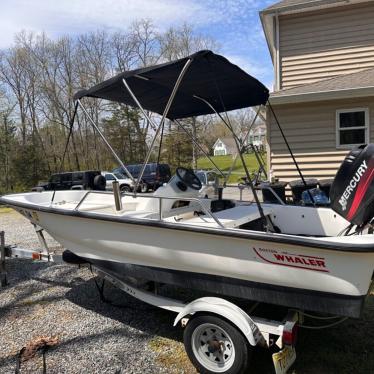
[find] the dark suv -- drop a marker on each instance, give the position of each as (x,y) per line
(155,175)
(76,180)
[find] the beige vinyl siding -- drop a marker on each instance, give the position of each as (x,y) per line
(324,44)
(311,132)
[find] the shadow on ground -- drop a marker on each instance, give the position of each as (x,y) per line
(345,348)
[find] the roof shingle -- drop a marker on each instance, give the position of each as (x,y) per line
(362,79)
(229,142)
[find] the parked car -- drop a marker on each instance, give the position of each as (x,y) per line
(125,183)
(155,175)
(75,180)
(209,181)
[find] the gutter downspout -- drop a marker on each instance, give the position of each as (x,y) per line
(277,54)
(277,85)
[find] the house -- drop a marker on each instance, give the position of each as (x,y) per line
(323,57)
(224,146)
(257,136)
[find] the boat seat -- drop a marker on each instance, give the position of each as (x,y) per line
(230,218)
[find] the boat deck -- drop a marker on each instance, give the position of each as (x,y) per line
(229,218)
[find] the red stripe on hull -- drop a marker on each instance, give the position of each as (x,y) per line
(289,265)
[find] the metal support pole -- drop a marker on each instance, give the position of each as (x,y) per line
(200,147)
(241,188)
(230,170)
(3,273)
(219,115)
(106,142)
(117,195)
(160,145)
(166,111)
(290,151)
(42,241)
(160,208)
(243,146)
(69,135)
(261,165)
(267,224)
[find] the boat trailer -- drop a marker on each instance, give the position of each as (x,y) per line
(206,318)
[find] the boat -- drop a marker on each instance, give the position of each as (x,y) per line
(310,258)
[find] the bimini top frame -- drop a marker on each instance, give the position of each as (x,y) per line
(209,76)
(203,83)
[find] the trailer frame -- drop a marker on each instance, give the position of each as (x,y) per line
(256,330)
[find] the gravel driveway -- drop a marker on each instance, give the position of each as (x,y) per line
(129,336)
(94,337)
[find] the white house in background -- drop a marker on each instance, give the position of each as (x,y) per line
(257,136)
(224,146)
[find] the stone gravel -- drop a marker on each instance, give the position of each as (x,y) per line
(129,336)
(94,337)
(20,232)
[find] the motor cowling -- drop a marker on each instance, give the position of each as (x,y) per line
(352,192)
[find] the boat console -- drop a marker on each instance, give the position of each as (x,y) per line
(184,183)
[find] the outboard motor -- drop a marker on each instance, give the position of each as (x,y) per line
(352,192)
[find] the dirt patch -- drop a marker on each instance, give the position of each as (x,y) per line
(6,210)
(171,354)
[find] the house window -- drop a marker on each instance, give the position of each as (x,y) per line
(352,127)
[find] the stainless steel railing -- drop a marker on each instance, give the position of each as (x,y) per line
(159,198)
(243,187)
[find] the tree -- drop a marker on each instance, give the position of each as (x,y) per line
(7,142)
(38,78)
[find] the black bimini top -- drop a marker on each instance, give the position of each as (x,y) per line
(210,76)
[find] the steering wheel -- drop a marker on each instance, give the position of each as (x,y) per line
(189,178)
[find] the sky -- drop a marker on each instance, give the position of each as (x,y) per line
(234,24)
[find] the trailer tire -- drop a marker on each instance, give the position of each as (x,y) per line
(216,346)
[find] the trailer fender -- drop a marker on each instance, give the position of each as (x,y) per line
(226,309)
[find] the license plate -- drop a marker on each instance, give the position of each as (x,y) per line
(284,359)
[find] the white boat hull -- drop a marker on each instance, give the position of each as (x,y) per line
(341,273)
(275,268)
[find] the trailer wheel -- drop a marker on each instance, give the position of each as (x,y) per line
(215,346)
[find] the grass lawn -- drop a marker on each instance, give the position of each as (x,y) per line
(4,209)
(225,162)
